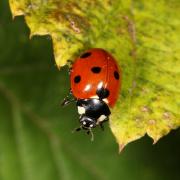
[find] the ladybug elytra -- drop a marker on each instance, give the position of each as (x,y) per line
(95,82)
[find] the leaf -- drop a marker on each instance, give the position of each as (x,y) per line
(36,142)
(145,41)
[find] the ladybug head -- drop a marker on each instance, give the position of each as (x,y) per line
(87,122)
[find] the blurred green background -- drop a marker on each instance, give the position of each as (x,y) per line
(35,132)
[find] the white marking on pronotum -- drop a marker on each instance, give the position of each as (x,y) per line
(84,122)
(81,110)
(101,118)
(91,125)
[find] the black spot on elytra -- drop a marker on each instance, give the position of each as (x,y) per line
(96,69)
(116,75)
(77,79)
(103,93)
(85,55)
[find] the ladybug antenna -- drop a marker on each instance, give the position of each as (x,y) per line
(92,135)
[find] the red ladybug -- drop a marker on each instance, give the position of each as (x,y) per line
(95,83)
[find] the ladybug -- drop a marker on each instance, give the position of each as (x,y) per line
(95,80)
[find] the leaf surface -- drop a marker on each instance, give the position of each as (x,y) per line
(144,38)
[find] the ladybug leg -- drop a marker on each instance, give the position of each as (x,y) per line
(101,126)
(68,99)
(69,63)
(77,129)
(102,123)
(66,102)
(69,70)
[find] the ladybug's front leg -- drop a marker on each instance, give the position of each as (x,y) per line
(69,63)
(68,99)
(101,123)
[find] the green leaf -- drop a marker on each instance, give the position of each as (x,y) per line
(36,142)
(142,35)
